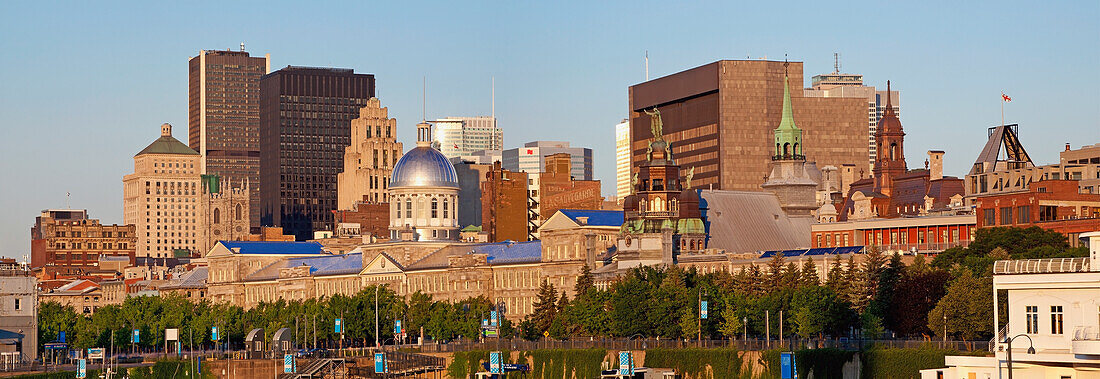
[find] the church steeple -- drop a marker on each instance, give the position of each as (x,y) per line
(890,152)
(788,137)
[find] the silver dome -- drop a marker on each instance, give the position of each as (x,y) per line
(424,167)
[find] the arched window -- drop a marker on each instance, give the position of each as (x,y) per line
(422,208)
(408,207)
(673,205)
(795,148)
(237,212)
(777,151)
(893,151)
(787,149)
(217,215)
(658,204)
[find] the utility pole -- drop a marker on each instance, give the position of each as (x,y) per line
(376,317)
(700,319)
(767,328)
(781,328)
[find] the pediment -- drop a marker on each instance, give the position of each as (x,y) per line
(382,264)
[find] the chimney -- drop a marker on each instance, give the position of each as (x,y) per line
(1094,250)
(1067,146)
(847,176)
(935,164)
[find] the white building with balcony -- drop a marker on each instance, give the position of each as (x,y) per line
(1053,321)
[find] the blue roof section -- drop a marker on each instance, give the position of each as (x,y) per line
(815,251)
(266,247)
(510,252)
(331,264)
(318,266)
(596,218)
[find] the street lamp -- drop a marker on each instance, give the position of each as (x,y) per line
(1030,350)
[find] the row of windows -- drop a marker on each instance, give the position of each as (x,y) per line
(1056,321)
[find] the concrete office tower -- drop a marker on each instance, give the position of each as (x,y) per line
(223,117)
(305,125)
(369,159)
(851,85)
(622,159)
(531,158)
(458,136)
(161,198)
(719,119)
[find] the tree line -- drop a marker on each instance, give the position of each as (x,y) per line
(880,297)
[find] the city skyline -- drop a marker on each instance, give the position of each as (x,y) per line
(550,85)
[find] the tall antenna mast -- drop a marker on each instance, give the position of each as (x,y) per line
(647,65)
(836,63)
(424,100)
(494,97)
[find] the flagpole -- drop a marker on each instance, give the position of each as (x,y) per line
(1002,108)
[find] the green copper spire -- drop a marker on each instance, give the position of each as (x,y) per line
(788,137)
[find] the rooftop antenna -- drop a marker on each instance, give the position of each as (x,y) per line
(424,100)
(494,97)
(836,63)
(242,46)
(647,65)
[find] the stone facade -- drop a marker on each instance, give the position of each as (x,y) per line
(369,159)
(225,211)
(161,198)
(19,311)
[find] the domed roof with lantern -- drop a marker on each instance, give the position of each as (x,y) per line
(423,166)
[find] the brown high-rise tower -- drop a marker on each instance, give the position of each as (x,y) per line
(223,118)
(719,118)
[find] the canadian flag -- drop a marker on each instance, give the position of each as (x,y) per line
(1005,97)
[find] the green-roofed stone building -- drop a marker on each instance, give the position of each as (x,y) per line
(173,209)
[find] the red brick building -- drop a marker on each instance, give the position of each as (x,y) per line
(72,243)
(504,204)
(909,234)
(1055,205)
(560,191)
(373,217)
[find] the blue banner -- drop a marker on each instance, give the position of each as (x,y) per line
(379,363)
(493,320)
(787,368)
(396,326)
(339,326)
(288,364)
(626,363)
(703,310)
(61,337)
(82,368)
(494,363)
(137,336)
(213,333)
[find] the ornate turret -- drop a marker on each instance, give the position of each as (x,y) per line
(788,137)
(791,178)
(661,203)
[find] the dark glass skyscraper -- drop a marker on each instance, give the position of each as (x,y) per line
(223,117)
(305,124)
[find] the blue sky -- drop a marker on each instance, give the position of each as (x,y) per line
(85,85)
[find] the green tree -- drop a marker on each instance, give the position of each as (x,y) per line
(584,282)
(775,272)
(731,325)
(545,307)
(967,308)
(818,310)
(688,323)
(808,275)
(630,307)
